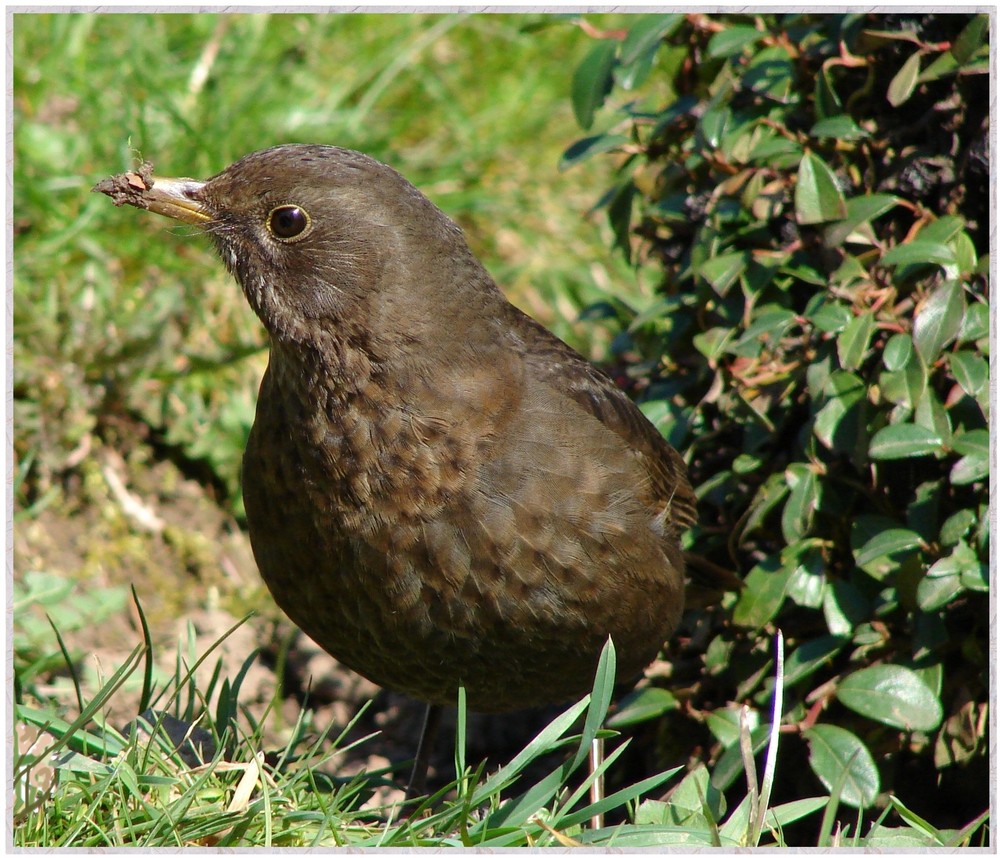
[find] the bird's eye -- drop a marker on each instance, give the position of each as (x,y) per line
(288,223)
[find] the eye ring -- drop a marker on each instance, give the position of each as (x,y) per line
(289,223)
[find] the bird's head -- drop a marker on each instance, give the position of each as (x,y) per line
(319,235)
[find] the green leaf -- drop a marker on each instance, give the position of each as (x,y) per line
(936,836)
(897,352)
(831,317)
(592,81)
(861,211)
(974,442)
(903,441)
(957,525)
(817,196)
(902,85)
(714,342)
(942,230)
(841,127)
(969,469)
(874,39)
(906,386)
(920,251)
(971,371)
(932,415)
(839,423)
(642,705)
(941,584)
(739,141)
(769,495)
(945,64)
(844,608)
(620,216)
(976,324)
(836,754)
(808,565)
(806,659)
(827,101)
(724,270)
(745,463)
(799,268)
(939,320)
(770,73)
(894,541)
(850,273)
(687,805)
(725,723)
(777,152)
(965,253)
(972,36)
(892,695)
(770,323)
(713,124)
(763,594)
(583,149)
(975,574)
(803,499)
(634,74)
(736,827)
(852,344)
(865,528)
(728,42)
(668,417)
(646,33)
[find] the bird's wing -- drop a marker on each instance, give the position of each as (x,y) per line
(553,362)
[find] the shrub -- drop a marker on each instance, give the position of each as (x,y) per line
(810,193)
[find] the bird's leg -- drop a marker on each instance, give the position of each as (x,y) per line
(417,786)
(597,787)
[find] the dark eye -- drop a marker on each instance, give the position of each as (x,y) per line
(287,223)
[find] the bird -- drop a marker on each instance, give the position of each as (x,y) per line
(438,490)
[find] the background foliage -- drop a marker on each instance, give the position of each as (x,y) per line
(798,297)
(809,191)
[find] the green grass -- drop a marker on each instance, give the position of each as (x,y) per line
(78,781)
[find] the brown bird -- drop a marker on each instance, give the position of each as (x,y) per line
(439,491)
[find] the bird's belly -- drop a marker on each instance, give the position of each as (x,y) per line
(405,631)
(423,570)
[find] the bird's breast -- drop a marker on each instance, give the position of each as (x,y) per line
(494,525)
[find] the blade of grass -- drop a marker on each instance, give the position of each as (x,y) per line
(460,738)
(558,818)
(749,767)
(69,664)
(604,687)
(621,797)
(771,758)
(548,739)
(68,732)
(147,642)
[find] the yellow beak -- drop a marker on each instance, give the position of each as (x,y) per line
(176,198)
